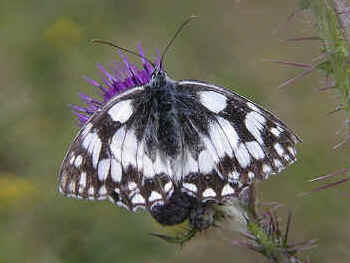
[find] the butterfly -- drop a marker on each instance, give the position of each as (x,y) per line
(171,147)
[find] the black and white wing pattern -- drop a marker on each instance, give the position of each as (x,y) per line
(168,137)
(240,141)
(106,159)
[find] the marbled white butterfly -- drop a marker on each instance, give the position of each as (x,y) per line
(171,147)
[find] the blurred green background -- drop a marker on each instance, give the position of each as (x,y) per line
(45,51)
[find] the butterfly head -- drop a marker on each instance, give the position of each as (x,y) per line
(159,77)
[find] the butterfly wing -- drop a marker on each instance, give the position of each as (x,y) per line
(241,141)
(107,158)
(211,143)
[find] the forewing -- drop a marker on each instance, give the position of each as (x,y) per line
(107,160)
(241,141)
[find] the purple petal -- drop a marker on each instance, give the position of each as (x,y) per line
(122,76)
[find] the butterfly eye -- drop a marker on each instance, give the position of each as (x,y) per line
(158,75)
(154,75)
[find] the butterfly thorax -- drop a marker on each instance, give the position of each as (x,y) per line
(162,125)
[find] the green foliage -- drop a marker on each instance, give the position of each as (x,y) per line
(335,48)
(304,4)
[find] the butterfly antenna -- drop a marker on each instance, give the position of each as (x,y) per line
(110,43)
(174,37)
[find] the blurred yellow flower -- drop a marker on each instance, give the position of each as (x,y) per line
(14,189)
(63,33)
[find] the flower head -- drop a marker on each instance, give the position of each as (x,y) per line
(124,75)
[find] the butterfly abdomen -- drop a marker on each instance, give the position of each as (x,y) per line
(176,210)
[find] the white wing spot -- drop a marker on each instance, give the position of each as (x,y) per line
(129,150)
(251,175)
(253,107)
(205,162)
(96,152)
(132,186)
(227,190)
(254,123)
(154,196)
(89,141)
(219,140)
(266,169)
(168,186)
(148,171)
(71,161)
(82,182)
(190,187)
(138,199)
(242,155)
(93,145)
(255,150)
(233,176)
(291,150)
(230,132)
(116,171)
(91,191)
(190,165)
(103,169)
(117,143)
(209,192)
(213,101)
(102,191)
(275,132)
(160,165)
(63,182)
(64,179)
(71,186)
(121,111)
(279,149)
(239,149)
(78,161)
(287,158)
(139,155)
(209,147)
(278,164)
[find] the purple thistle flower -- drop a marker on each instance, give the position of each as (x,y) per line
(124,76)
